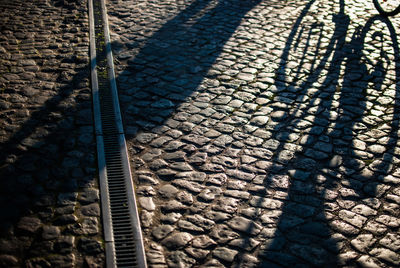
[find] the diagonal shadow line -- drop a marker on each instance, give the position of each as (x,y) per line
(140,110)
(395,123)
(272,250)
(58,161)
(280,170)
(41,118)
(159,36)
(43,113)
(182,60)
(42,171)
(334,70)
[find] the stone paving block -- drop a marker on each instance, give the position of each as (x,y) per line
(280,117)
(46,129)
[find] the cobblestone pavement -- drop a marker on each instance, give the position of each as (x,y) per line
(262,133)
(49,211)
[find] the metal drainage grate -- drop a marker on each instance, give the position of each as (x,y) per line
(124,246)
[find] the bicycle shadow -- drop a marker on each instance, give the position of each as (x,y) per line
(313,219)
(153,97)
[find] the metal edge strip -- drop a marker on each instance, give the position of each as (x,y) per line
(93,72)
(105,201)
(132,204)
(111,73)
(105,205)
(140,252)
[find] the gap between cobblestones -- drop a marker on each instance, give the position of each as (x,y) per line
(48,188)
(239,166)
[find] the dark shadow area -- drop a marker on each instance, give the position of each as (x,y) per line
(176,59)
(330,160)
(50,156)
(30,158)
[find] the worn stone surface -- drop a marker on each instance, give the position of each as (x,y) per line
(177,240)
(267,130)
(48,187)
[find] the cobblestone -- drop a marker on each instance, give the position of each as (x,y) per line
(177,240)
(48,165)
(267,131)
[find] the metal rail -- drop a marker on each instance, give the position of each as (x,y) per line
(122,232)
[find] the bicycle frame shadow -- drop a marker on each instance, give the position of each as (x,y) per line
(312,226)
(152,101)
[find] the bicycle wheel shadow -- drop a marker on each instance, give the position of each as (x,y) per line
(322,191)
(304,230)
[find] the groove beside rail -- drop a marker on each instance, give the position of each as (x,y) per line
(122,232)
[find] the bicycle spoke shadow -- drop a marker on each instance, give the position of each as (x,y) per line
(330,178)
(301,188)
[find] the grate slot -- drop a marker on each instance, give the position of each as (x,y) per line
(124,246)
